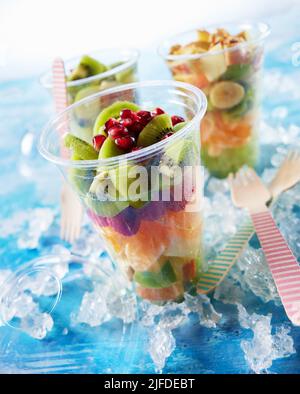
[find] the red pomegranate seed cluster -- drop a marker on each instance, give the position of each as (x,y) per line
(125,130)
(176,119)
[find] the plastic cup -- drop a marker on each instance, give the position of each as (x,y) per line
(155,237)
(230,128)
(123,70)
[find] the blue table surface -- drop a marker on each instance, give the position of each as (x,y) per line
(25,106)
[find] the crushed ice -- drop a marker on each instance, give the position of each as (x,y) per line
(29,225)
(264,348)
(160,321)
(110,300)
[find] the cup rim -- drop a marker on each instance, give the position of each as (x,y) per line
(262,27)
(46,78)
(147,151)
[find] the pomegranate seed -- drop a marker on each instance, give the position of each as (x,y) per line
(117,131)
(136,128)
(176,119)
(127,122)
(144,114)
(125,143)
(167,135)
(98,141)
(157,111)
(145,117)
(111,123)
(127,113)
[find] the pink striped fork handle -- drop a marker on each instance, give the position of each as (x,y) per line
(282,263)
(248,191)
(71,209)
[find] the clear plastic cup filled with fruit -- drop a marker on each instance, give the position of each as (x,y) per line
(139,177)
(90,73)
(226,63)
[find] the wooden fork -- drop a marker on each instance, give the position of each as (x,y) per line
(71,209)
(248,191)
(287,175)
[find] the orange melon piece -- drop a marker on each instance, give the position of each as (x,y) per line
(141,250)
(164,294)
(185,231)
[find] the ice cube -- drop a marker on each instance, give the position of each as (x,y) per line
(37,324)
(38,222)
(149,312)
(263,348)
(161,346)
(252,270)
(200,304)
(93,309)
(173,315)
(123,306)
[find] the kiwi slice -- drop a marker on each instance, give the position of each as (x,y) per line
(155,130)
(87,67)
(122,181)
(81,179)
(105,208)
(231,159)
(109,149)
(237,71)
(164,278)
(81,148)
(79,72)
(113,111)
(179,126)
(175,155)
(103,198)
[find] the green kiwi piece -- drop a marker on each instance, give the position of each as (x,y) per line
(113,111)
(108,205)
(81,179)
(115,64)
(81,148)
(93,66)
(164,278)
(155,130)
(237,71)
(175,155)
(109,149)
(231,159)
(179,126)
(87,67)
(105,208)
(79,72)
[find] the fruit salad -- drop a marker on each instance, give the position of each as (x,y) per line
(89,67)
(157,241)
(227,68)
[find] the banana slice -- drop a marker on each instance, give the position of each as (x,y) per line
(226,94)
